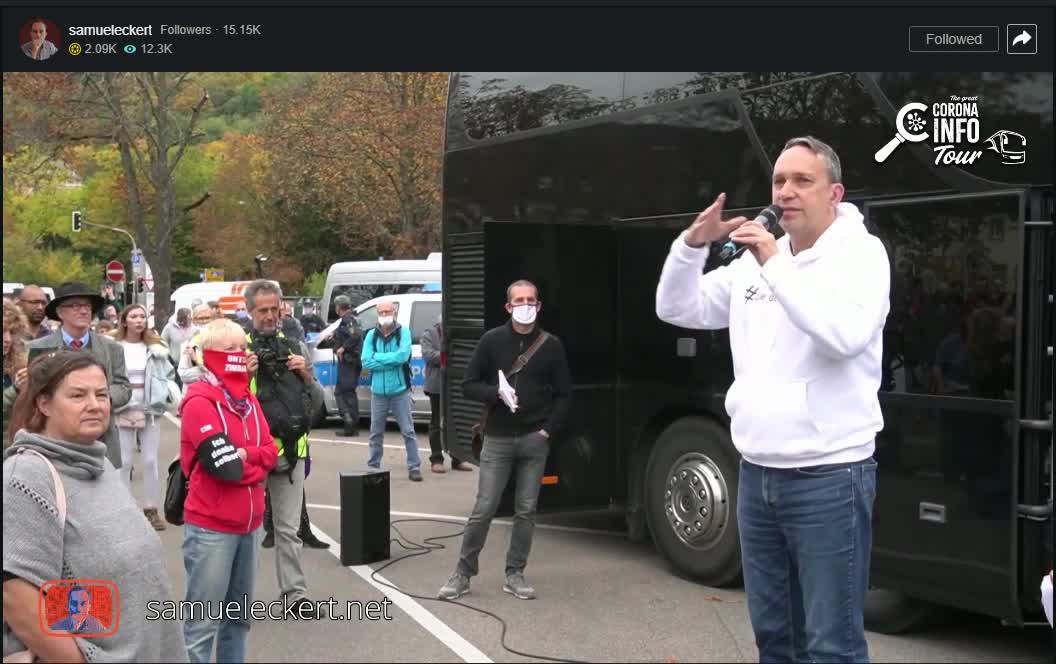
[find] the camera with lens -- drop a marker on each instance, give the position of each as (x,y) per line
(272,355)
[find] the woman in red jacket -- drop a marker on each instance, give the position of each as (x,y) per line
(227,450)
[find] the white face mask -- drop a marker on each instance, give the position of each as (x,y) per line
(524,314)
(384,321)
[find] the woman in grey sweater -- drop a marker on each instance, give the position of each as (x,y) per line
(61,415)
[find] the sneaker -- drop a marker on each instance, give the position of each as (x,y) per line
(415,475)
(269,540)
(518,587)
(463,466)
(455,587)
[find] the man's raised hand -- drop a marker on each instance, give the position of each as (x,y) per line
(709,227)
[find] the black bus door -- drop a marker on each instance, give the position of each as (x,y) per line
(946,527)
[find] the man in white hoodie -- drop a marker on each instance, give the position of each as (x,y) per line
(806,315)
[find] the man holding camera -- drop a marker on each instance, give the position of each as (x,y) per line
(281,378)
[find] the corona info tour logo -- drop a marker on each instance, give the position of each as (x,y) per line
(954,129)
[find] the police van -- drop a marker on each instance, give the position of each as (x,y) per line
(416,311)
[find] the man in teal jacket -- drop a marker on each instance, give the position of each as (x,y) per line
(387,354)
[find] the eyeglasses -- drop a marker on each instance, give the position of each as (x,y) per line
(82,306)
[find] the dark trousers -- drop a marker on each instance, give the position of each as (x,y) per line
(806,536)
(345,395)
(436,439)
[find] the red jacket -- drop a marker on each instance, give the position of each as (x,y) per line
(213,503)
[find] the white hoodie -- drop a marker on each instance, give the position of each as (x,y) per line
(806,333)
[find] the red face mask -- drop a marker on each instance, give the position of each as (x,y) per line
(230,369)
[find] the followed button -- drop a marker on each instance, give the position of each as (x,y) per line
(954,39)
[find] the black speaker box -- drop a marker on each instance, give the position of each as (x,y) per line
(364,516)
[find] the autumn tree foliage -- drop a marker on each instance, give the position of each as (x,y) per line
(150,117)
(355,158)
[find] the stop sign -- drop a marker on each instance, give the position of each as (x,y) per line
(115,271)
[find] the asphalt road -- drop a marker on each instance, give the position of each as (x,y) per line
(601,597)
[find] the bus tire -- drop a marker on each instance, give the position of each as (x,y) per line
(690,501)
(891,612)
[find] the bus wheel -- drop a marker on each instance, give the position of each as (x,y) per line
(691,498)
(891,612)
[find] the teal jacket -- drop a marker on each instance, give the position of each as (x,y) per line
(387,373)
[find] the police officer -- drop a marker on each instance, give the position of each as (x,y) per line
(348,343)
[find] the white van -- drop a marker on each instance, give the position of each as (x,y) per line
(415,311)
(361,281)
(228,294)
(14,288)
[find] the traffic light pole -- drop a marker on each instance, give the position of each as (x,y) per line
(135,252)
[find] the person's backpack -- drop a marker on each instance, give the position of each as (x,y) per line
(407,373)
(176,489)
(283,396)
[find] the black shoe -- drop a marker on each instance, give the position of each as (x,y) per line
(311,541)
(269,540)
(351,428)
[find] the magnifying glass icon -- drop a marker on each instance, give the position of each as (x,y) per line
(903,134)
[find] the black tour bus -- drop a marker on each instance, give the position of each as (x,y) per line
(580,182)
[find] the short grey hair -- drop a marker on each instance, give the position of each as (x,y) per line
(342,302)
(260,286)
(824,150)
(521,282)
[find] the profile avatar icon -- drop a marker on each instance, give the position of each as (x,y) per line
(38,47)
(80,621)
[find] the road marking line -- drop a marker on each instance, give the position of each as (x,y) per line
(449,637)
(503,522)
(175,420)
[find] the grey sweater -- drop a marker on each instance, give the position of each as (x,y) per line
(106,537)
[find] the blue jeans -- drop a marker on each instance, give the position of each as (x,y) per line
(400,407)
(806,538)
(220,567)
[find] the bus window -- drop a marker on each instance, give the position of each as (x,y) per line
(501,103)
(645,88)
(952,326)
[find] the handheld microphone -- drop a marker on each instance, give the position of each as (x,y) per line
(768,216)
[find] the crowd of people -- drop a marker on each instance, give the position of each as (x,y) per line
(83,398)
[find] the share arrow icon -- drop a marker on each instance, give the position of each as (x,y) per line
(1022,38)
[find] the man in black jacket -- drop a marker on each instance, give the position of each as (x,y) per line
(348,343)
(523,418)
